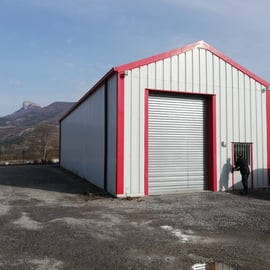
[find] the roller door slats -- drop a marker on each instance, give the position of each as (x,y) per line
(177,143)
(176,183)
(183,168)
(175,173)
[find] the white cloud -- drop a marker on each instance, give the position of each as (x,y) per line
(244,15)
(69,65)
(80,8)
(68,41)
(229,8)
(15,82)
(238,28)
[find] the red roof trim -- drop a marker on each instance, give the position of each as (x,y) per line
(236,65)
(90,92)
(158,57)
(199,44)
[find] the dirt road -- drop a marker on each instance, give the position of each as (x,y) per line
(50,219)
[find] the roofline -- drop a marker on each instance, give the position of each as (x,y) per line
(109,74)
(200,45)
(161,56)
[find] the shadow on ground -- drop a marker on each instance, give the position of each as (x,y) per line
(47,177)
(261,194)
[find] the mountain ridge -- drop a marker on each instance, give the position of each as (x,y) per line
(32,132)
(32,113)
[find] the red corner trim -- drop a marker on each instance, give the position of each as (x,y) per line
(146,144)
(268,133)
(232,166)
(212,149)
(199,44)
(120,136)
(251,165)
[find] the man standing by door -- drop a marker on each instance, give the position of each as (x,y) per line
(242,165)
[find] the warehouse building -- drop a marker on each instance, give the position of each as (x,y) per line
(170,123)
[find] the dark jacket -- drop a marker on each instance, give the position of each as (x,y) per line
(242,165)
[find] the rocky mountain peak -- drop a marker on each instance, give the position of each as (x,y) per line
(29,104)
(28,132)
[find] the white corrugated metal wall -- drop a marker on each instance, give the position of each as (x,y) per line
(82,139)
(240,111)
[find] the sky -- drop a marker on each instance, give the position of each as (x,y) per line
(56,50)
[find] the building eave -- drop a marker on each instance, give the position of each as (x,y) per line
(190,47)
(109,74)
(162,56)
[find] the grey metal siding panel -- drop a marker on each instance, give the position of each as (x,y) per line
(177,143)
(82,139)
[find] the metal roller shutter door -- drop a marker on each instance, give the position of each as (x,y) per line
(177,143)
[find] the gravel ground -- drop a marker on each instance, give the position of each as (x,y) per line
(50,219)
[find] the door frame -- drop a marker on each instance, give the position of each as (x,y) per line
(211,136)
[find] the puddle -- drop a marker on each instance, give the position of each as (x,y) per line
(211,266)
(183,236)
(26,222)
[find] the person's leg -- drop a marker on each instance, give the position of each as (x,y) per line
(245,182)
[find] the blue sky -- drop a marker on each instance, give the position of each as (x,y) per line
(55,50)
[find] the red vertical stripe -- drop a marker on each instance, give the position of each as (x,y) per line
(232,166)
(120,136)
(268,133)
(146,144)
(212,149)
(251,165)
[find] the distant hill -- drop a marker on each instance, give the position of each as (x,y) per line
(31,134)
